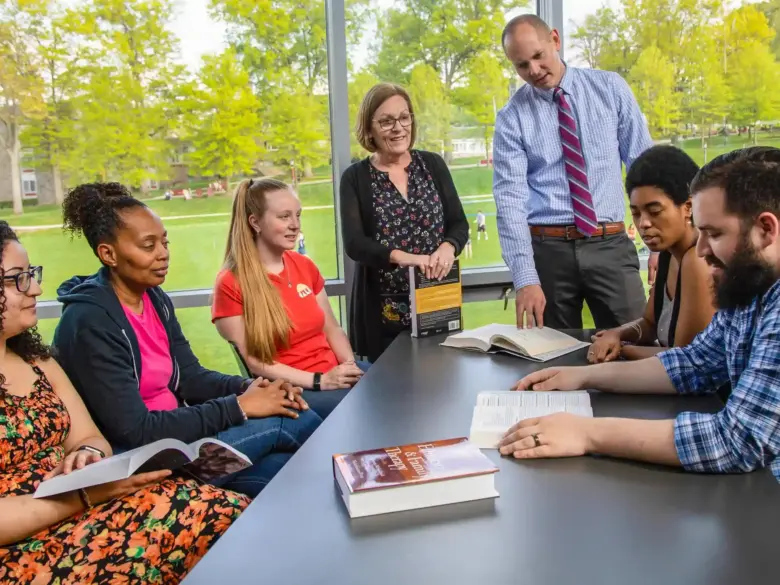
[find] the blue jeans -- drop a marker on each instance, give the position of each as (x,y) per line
(268,443)
(323,402)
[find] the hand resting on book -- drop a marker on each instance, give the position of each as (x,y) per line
(557,435)
(566,379)
(74,460)
(107,491)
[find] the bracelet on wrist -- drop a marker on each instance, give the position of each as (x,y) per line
(243,413)
(84,497)
(91,449)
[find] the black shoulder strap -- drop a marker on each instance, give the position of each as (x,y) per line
(676,303)
(675,306)
(664,259)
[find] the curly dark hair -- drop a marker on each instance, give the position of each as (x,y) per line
(666,168)
(93,210)
(28,345)
(750,179)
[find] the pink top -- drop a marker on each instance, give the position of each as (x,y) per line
(157,365)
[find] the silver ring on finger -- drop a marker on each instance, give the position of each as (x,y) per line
(537,442)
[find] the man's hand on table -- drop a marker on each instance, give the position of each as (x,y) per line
(567,379)
(529,305)
(557,435)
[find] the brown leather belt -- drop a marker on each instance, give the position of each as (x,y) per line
(569,232)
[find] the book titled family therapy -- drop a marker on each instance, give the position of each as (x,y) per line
(413,476)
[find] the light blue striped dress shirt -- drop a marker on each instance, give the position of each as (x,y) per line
(529,179)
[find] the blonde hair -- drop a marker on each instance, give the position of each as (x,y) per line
(375,97)
(266,322)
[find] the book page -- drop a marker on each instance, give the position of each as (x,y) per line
(104,471)
(162,454)
(556,353)
(495,412)
(472,339)
(215,459)
(533,341)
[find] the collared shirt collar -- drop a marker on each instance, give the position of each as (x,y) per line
(566,84)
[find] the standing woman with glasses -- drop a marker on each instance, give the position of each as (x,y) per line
(399,208)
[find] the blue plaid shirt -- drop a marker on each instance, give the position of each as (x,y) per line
(742,347)
(529,177)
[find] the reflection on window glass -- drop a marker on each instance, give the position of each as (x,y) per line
(225,91)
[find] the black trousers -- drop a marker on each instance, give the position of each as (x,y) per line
(602,271)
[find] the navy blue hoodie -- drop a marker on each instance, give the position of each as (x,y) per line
(98,349)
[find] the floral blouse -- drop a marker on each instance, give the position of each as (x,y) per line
(414,225)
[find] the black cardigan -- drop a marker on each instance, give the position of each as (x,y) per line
(98,349)
(357,225)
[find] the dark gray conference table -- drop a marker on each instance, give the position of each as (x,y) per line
(577,521)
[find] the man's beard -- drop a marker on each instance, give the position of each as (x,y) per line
(746,277)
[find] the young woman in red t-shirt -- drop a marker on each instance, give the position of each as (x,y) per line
(271,302)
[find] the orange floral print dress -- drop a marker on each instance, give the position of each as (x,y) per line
(155,535)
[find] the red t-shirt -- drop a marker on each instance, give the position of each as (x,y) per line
(299,284)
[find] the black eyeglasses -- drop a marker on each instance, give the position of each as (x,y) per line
(24,279)
(389,123)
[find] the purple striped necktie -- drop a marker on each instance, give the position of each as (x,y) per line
(585,219)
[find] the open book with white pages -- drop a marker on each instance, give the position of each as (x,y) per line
(206,460)
(536,344)
(496,411)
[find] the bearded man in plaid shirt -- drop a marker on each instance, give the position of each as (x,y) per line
(736,206)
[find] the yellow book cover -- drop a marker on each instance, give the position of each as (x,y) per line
(436,304)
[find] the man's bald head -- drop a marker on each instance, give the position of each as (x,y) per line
(533,47)
(525,19)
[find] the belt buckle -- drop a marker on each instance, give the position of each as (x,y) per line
(566,229)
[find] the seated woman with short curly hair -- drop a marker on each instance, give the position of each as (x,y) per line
(680,304)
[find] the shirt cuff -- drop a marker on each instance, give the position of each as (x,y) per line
(671,360)
(699,444)
(525,279)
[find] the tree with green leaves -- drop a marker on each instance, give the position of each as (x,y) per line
(602,41)
(21,90)
(483,93)
(282,44)
(358,88)
(442,36)
(707,97)
(296,130)
(653,83)
(52,33)
(754,77)
(432,108)
(128,102)
(221,116)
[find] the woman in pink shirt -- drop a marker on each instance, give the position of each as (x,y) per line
(122,347)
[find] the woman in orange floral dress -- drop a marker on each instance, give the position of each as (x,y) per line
(151,528)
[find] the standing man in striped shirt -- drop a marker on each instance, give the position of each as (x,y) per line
(558,148)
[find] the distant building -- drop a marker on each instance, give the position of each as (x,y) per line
(36,183)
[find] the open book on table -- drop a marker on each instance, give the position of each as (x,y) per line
(496,411)
(536,344)
(206,460)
